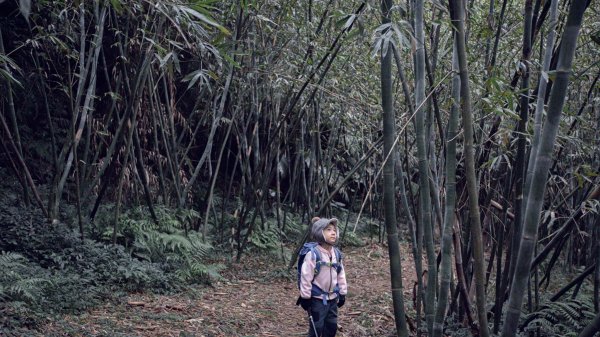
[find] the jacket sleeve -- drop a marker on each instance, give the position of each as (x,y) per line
(342,283)
(307,274)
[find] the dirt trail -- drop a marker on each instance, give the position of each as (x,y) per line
(252,302)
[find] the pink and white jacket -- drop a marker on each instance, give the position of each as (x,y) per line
(327,278)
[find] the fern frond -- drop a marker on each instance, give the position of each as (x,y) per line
(16,285)
(11,260)
(559,318)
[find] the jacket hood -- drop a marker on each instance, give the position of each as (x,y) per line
(319,224)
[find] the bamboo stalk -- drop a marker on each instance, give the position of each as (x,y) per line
(450,205)
(425,215)
(460,275)
(389,190)
(520,165)
(128,144)
(458,21)
(542,165)
(139,164)
(91,69)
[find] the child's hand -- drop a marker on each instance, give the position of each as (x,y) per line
(304,303)
(341,300)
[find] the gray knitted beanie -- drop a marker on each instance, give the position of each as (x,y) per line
(319,225)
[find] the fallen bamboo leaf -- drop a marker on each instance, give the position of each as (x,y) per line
(136,304)
(195,320)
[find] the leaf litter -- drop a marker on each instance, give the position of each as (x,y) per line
(249,302)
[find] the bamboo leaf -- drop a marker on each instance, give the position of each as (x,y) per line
(9,77)
(231,61)
(117,5)
(266,19)
(204,18)
(194,76)
(350,21)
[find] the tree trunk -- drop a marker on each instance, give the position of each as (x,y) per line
(542,164)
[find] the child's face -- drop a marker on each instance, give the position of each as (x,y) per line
(330,234)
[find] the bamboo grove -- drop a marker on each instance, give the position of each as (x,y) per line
(470,128)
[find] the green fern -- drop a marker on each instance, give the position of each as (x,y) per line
(186,253)
(560,318)
(198,272)
(266,239)
(11,260)
(137,221)
(15,283)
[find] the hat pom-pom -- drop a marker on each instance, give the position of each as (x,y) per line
(315,219)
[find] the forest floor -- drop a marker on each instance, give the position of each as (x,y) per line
(255,298)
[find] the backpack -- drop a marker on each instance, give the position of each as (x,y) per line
(312,247)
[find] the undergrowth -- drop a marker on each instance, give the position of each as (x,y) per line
(561,318)
(49,270)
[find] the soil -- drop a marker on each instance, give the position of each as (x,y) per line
(256,298)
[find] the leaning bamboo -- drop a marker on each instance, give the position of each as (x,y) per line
(12,114)
(542,166)
(23,165)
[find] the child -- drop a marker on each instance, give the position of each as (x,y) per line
(322,294)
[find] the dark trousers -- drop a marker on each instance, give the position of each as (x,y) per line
(325,318)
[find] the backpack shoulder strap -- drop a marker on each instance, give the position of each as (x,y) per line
(317,257)
(338,256)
